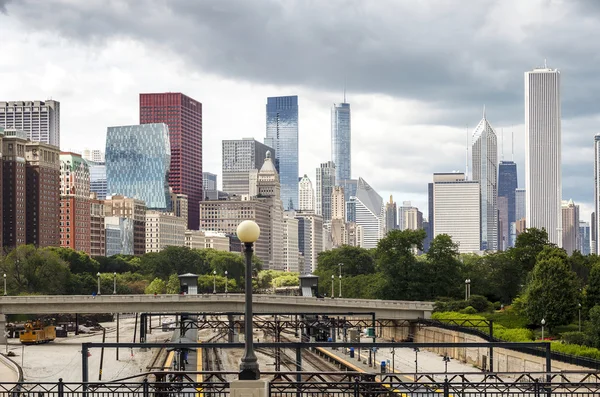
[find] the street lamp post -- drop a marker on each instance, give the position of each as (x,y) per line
(340,277)
(98,282)
(4,284)
(446,361)
(214,281)
(416,362)
(114,283)
(467,289)
(248,232)
(579,306)
(332,284)
(225,281)
(543,323)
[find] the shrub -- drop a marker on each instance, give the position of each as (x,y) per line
(574,338)
(469,310)
(513,334)
(576,350)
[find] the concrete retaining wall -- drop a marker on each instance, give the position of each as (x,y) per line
(9,370)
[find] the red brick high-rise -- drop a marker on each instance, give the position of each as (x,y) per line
(183,115)
(14,188)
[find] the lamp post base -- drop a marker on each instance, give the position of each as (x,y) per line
(244,388)
(249,371)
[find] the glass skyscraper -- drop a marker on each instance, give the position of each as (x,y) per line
(98,182)
(282,135)
(341,140)
(507,184)
(137,163)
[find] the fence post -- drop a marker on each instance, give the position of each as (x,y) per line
(446,388)
(61,388)
(146,388)
(536,388)
(356,383)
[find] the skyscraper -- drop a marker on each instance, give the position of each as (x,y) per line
(507,185)
(543,152)
(137,164)
(75,210)
(325,183)
(584,237)
(282,135)
(307,194)
(341,140)
(369,213)
(570,224)
(39,119)
(98,182)
(14,228)
(268,187)
(95,155)
(240,158)
(595,229)
(391,217)
(183,115)
(485,171)
(519,204)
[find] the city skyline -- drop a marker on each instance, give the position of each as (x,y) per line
(375,116)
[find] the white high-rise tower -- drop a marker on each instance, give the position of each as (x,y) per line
(543,185)
(596,185)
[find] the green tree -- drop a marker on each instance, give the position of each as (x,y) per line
(506,278)
(552,292)
(475,268)
(444,268)
(395,258)
(173,285)
(157,286)
(593,326)
(78,261)
(592,290)
(527,247)
(356,261)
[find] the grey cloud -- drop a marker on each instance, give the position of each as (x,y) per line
(3,4)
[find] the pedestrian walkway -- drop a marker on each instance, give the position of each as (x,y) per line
(7,374)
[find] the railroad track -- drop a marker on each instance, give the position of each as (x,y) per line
(212,356)
(159,359)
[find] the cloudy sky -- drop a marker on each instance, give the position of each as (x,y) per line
(418,74)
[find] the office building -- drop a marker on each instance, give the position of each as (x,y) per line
(97,226)
(137,164)
(349,186)
(241,158)
(570,226)
(120,236)
(341,140)
(456,209)
(95,155)
(43,194)
(595,229)
(209,182)
(282,135)
(338,203)
(307,194)
(325,184)
(98,181)
(507,186)
(593,235)
(179,204)
(290,242)
(584,238)
(412,218)
(130,214)
(543,185)
(391,215)
(39,119)
(521,226)
(338,228)
(164,229)
(14,187)
(369,211)
(75,203)
(355,235)
(485,171)
(520,211)
(310,239)
(183,116)
(503,224)
(199,239)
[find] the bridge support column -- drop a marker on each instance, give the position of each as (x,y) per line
(3,338)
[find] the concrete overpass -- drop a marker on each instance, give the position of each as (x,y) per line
(51,304)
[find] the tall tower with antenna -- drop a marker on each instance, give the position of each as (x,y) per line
(341,140)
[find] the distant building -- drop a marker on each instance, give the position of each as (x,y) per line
(595,229)
(519,203)
(507,186)
(341,140)
(199,239)
(409,217)
(209,181)
(521,226)
(593,235)
(137,163)
(503,224)
(570,224)
(240,158)
(584,238)
(134,213)
(290,241)
(183,116)
(307,194)
(94,155)
(14,188)
(369,211)
(179,203)
(120,236)
(325,184)
(282,135)
(543,181)
(456,207)
(355,235)
(98,181)
(97,226)
(349,186)
(39,119)
(391,217)
(339,230)
(75,203)
(163,230)
(310,239)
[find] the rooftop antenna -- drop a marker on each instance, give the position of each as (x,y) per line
(512,139)
(467,156)
(344,89)
(502,144)
(484,111)
(545,66)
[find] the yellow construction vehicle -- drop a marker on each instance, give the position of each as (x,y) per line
(37,332)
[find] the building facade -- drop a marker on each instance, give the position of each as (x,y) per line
(310,239)
(282,135)
(95,155)
(183,116)
(98,181)
(97,226)
(120,236)
(325,184)
(584,238)
(269,190)
(543,184)
(307,194)
(14,188)
(199,239)
(39,119)
(520,211)
(507,186)
(43,194)
(595,229)
(137,163)
(290,242)
(75,203)
(391,217)
(179,203)
(133,229)
(240,158)
(369,210)
(456,209)
(164,229)
(570,226)
(485,171)
(341,140)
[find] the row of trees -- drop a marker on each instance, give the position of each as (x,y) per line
(541,279)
